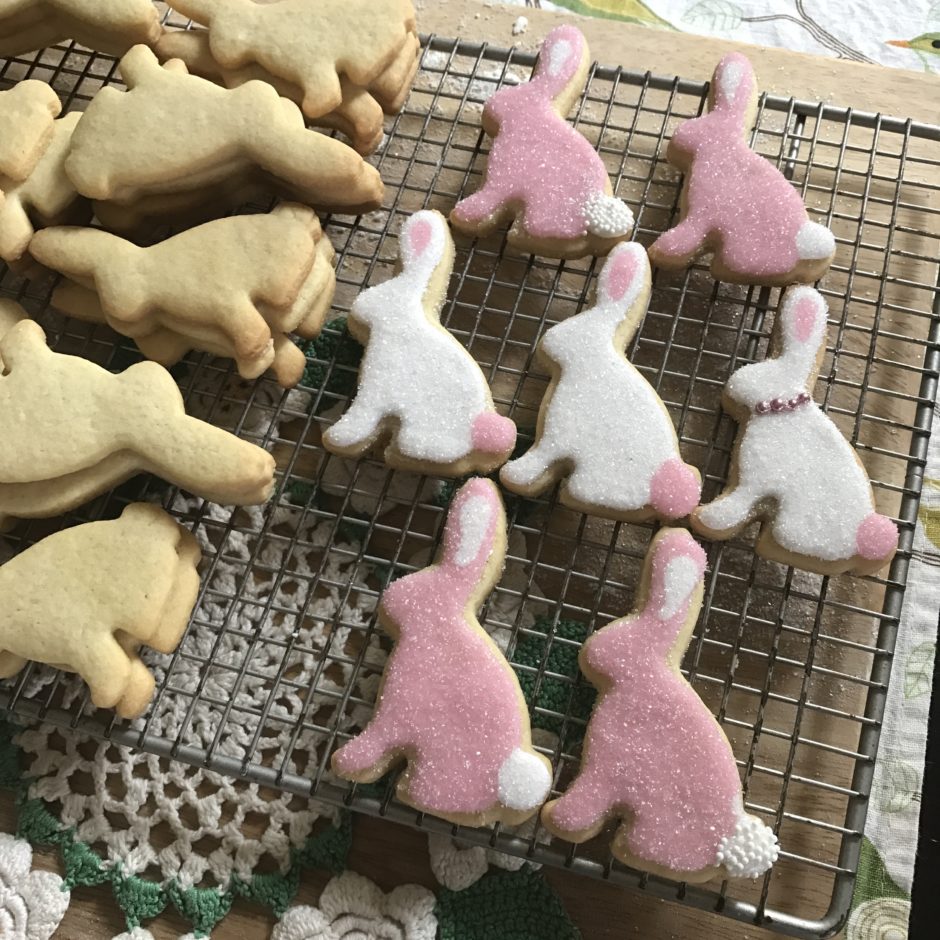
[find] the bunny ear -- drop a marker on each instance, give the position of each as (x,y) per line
(422,239)
(733,84)
(471,525)
(560,58)
(623,276)
(678,566)
(803,319)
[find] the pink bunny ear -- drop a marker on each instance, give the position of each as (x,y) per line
(471,526)
(560,58)
(422,239)
(733,84)
(677,569)
(623,275)
(803,319)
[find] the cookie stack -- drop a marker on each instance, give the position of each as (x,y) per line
(235,287)
(313,55)
(34,189)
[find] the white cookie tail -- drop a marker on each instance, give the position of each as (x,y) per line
(524,781)
(814,241)
(750,850)
(607,216)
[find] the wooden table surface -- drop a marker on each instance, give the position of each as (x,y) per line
(392,854)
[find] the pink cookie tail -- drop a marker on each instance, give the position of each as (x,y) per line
(675,489)
(877,537)
(493,434)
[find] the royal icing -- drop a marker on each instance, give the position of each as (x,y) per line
(602,426)
(735,201)
(540,167)
(416,382)
(654,755)
(795,470)
(450,703)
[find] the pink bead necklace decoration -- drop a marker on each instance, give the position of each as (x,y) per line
(654,757)
(450,704)
(778,405)
(541,171)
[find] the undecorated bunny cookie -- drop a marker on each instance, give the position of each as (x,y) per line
(735,203)
(27,114)
(418,387)
(86,598)
(602,428)
(173,132)
(791,466)
(540,170)
(450,704)
(653,755)
(110,26)
(227,284)
(71,430)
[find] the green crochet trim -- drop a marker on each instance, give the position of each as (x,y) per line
(556,695)
(333,347)
(141,900)
(517,904)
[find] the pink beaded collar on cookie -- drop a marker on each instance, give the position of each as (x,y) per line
(778,405)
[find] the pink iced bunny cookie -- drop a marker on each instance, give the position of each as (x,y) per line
(734,202)
(653,755)
(602,428)
(541,170)
(793,469)
(450,704)
(418,387)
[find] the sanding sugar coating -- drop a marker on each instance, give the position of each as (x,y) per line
(602,425)
(416,381)
(653,753)
(794,467)
(449,699)
(539,164)
(736,201)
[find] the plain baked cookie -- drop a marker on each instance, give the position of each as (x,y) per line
(602,429)
(541,172)
(27,114)
(734,203)
(110,26)
(450,704)
(173,132)
(229,284)
(653,755)
(791,467)
(71,430)
(86,598)
(419,389)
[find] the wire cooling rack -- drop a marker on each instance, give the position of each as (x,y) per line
(795,666)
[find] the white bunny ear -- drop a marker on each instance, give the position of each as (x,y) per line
(471,524)
(560,57)
(803,319)
(682,576)
(623,276)
(475,518)
(678,565)
(734,83)
(422,240)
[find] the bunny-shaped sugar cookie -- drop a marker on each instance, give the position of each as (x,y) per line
(27,115)
(602,428)
(86,598)
(541,171)
(792,468)
(173,132)
(417,384)
(449,703)
(735,203)
(653,754)
(71,430)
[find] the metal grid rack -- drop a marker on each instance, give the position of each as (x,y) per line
(794,665)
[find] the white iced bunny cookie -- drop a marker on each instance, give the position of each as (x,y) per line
(602,428)
(418,387)
(792,468)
